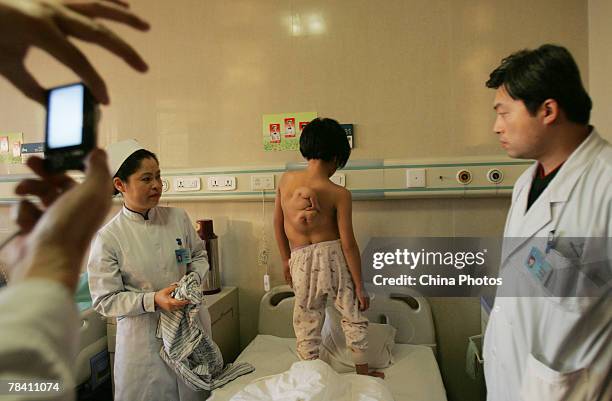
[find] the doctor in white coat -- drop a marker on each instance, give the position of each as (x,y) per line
(549,335)
(132,267)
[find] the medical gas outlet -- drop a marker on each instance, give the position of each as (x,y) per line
(464,177)
(495,176)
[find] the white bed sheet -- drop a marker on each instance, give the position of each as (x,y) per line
(413,377)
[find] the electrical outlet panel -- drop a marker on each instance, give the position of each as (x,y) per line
(186,184)
(221,183)
(262,182)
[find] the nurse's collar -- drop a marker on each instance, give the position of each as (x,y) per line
(144,215)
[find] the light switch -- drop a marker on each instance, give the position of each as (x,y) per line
(415,178)
(338,179)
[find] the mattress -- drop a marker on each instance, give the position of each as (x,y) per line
(413,377)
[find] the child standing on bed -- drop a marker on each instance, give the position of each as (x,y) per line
(314,232)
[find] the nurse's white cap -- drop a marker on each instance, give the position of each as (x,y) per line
(118,152)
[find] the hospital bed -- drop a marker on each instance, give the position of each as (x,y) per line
(92,363)
(414,376)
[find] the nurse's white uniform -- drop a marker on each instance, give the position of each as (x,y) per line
(132,258)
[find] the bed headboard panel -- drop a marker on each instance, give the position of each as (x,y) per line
(276,312)
(404,308)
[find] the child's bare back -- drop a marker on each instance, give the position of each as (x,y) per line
(309,207)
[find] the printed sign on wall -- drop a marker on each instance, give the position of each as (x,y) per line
(348,129)
(279,130)
(32,149)
(10,147)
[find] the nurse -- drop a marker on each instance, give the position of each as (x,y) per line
(549,335)
(132,268)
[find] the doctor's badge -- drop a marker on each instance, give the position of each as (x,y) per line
(537,265)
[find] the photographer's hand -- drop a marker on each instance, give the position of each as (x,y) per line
(47,24)
(54,240)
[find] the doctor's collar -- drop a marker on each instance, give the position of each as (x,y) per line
(540,171)
(131,212)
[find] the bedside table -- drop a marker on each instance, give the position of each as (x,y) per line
(223,309)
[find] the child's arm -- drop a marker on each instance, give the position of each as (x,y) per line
(279,232)
(344,211)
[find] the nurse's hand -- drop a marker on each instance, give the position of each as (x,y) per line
(55,234)
(164,300)
(47,24)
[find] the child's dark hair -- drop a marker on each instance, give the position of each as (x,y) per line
(324,139)
(132,163)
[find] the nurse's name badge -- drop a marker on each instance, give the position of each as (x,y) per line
(182,254)
(537,265)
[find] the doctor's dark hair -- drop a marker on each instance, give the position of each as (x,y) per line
(548,72)
(132,163)
(325,139)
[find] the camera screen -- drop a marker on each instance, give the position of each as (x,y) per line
(65,116)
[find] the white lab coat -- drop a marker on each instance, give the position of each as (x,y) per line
(39,337)
(549,348)
(130,259)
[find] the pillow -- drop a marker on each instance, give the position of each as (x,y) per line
(381,339)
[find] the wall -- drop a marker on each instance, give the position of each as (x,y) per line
(409,74)
(600,65)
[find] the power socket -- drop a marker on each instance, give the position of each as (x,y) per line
(221,183)
(186,184)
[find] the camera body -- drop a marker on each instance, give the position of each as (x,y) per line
(70,133)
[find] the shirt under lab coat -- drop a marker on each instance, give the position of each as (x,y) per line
(131,258)
(539,344)
(38,337)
